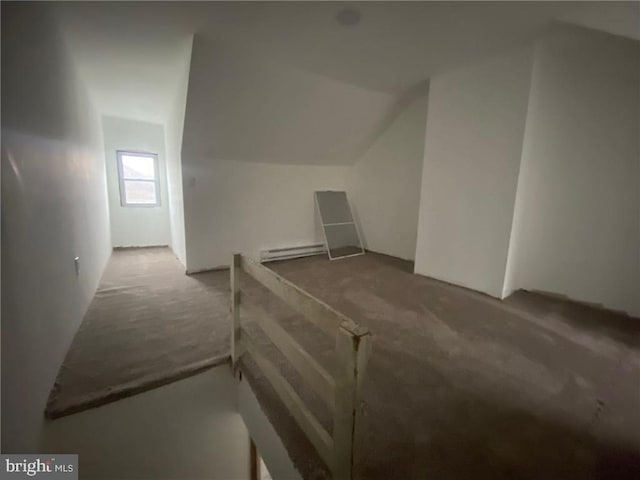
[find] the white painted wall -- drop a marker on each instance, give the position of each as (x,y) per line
(384,184)
(54,208)
(186,430)
(267,441)
(173,130)
(135,226)
(244,207)
(577,218)
(259,138)
(475,126)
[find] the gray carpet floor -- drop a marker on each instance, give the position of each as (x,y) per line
(147,325)
(461,385)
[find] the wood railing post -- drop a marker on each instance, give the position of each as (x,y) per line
(235,307)
(353,347)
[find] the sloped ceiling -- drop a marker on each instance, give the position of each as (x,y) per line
(617,18)
(283,82)
(243,107)
(132,65)
(393,46)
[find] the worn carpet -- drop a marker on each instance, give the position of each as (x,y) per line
(148,324)
(461,385)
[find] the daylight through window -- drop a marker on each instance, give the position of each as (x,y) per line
(138,179)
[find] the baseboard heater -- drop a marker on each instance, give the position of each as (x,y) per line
(291,252)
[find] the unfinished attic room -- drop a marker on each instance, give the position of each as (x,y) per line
(320,240)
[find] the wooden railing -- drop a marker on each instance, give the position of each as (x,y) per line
(341,391)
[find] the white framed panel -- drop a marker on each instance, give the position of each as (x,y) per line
(341,235)
(139,179)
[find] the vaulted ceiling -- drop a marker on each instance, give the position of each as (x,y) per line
(287,82)
(244,107)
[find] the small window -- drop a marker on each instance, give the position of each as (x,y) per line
(138,179)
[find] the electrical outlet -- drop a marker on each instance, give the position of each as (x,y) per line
(76,262)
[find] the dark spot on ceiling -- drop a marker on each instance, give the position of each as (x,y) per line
(348,17)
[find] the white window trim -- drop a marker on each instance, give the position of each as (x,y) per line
(121,179)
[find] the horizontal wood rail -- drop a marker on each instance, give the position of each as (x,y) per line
(341,392)
(308,368)
(307,421)
(316,311)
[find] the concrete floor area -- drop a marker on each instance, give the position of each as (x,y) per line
(188,430)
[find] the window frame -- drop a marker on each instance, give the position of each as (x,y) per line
(122,180)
